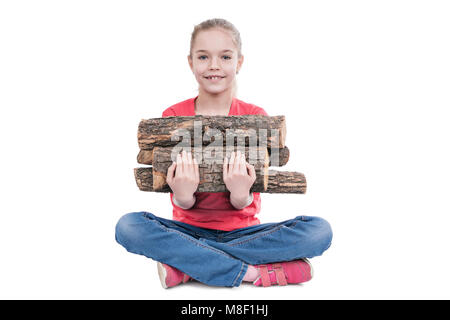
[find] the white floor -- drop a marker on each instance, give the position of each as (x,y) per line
(69,252)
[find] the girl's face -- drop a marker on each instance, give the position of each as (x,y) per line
(214,54)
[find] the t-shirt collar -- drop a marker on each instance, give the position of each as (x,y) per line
(231,112)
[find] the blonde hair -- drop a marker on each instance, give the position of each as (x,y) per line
(225,25)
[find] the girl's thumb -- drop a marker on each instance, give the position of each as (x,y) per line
(251,170)
(170,171)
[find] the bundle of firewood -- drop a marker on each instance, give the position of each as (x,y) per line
(210,139)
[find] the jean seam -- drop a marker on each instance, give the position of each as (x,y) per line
(209,248)
(145,215)
(181,234)
(194,242)
(239,274)
(174,225)
(260,235)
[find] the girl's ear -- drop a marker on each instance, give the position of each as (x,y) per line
(239,65)
(190,63)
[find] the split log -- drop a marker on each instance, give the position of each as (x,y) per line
(146,156)
(201,130)
(278,182)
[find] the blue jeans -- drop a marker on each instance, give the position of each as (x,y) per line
(221,258)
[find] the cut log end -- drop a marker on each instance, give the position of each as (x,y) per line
(145,156)
(159,180)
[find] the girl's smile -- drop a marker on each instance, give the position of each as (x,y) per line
(214,79)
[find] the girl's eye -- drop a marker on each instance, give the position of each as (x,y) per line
(227,57)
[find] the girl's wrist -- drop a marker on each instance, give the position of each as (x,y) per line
(240,202)
(184,203)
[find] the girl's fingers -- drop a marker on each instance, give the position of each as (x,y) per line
(191,165)
(179,164)
(184,157)
(237,160)
(170,172)
(196,171)
(238,163)
(225,167)
(232,162)
(251,170)
(189,168)
(243,164)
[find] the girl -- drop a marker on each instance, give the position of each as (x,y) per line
(215,238)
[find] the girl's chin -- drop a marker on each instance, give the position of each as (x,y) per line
(215,89)
(210,91)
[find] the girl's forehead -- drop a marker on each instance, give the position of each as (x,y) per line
(214,40)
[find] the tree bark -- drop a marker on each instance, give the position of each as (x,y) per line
(286,182)
(210,164)
(261,138)
(201,130)
(146,156)
(278,182)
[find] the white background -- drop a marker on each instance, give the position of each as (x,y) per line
(364,86)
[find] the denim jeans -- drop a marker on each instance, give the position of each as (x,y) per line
(221,258)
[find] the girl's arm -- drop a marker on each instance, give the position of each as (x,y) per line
(185,204)
(183,178)
(239,177)
(241,203)
(181,200)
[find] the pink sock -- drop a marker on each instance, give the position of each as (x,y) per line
(251,274)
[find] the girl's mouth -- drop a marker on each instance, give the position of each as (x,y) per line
(214,79)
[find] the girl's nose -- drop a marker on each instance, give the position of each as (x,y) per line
(214,64)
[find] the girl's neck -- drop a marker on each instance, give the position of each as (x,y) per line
(216,105)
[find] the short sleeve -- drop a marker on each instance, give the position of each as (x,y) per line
(258,110)
(168,113)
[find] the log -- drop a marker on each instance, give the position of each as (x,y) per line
(211,166)
(286,182)
(201,130)
(278,182)
(146,157)
(283,156)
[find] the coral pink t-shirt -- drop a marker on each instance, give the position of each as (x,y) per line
(213,210)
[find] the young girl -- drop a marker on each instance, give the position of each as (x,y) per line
(215,238)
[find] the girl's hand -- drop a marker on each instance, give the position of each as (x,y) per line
(183,177)
(238,176)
